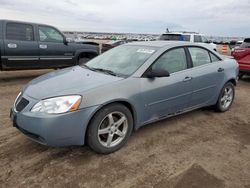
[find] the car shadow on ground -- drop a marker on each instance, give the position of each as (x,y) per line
(246,79)
(85,151)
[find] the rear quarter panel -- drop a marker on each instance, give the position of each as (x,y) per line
(231,68)
(231,72)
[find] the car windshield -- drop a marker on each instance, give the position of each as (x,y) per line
(122,60)
(175,37)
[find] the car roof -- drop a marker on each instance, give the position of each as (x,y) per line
(24,22)
(162,43)
(182,33)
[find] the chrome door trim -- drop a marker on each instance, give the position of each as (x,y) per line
(20,58)
(55,58)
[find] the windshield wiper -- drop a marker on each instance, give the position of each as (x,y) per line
(105,71)
(87,67)
(101,70)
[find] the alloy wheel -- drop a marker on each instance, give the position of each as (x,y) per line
(227,97)
(112,129)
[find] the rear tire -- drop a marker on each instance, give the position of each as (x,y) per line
(226,98)
(110,128)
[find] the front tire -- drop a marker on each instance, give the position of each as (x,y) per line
(110,128)
(226,98)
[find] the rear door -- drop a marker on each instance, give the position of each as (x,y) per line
(52,49)
(20,46)
(207,76)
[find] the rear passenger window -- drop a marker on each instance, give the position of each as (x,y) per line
(214,58)
(18,31)
(172,61)
(199,56)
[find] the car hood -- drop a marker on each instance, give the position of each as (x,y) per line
(69,81)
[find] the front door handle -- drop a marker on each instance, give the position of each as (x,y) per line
(43,46)
(220,70)
(12,45)
(187,78)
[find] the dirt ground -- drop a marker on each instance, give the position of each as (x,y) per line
(197,149)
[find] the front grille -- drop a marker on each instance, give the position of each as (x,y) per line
(21,104)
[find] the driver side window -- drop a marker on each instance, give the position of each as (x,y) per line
(172,61)
(49,34)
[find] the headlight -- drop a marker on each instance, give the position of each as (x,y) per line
(19,94)
(58,105)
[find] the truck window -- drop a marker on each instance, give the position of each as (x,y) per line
(175,37)
(197,38)
(186,37)
(246,43)
(204,39)
(49,34)
(19,31)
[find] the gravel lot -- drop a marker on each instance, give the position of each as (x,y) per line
(197,149)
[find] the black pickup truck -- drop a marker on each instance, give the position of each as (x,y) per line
(34,46)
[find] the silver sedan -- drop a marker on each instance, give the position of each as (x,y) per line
(102,102)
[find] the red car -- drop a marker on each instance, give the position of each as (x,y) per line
(242,56)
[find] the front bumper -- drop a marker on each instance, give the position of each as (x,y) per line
(54,130)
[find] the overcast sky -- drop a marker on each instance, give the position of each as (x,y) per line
(211,17)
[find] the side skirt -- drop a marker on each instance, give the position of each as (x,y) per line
(172,114)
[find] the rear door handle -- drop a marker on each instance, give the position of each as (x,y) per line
(220,70)
(12,45)
(187,78)
(43,46)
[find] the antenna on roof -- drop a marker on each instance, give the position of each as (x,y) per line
(167,30)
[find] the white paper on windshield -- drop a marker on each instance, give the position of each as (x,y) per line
(146,51)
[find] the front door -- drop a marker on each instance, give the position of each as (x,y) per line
(20,46)
(53,51)
(167,95)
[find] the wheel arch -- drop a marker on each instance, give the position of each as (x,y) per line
(233,81)
(84,53)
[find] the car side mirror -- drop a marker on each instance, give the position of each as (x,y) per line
(157,73)
(65,41)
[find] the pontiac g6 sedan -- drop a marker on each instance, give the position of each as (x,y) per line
(102,102)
